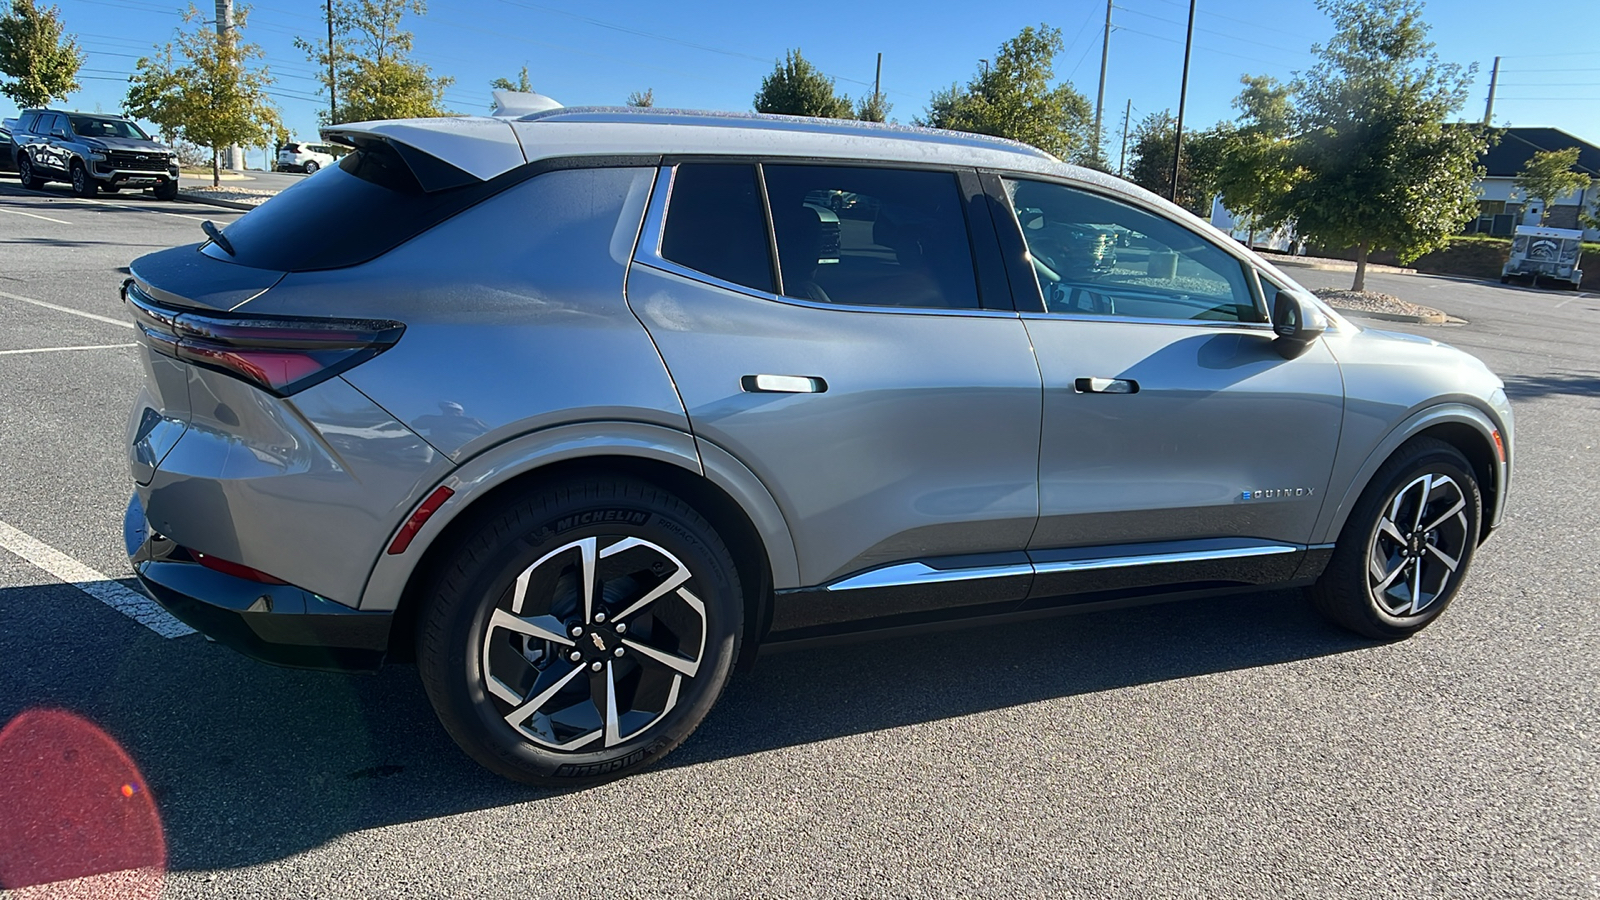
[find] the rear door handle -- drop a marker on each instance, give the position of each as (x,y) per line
(1106,386)
(783,384)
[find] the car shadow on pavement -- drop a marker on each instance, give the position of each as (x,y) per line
(250,763)
(1572,384)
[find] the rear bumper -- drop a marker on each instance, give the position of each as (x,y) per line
(274,623)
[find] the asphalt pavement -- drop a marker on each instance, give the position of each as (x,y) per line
(1235,747)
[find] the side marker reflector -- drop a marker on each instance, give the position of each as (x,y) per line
(423,513)
(1499,444)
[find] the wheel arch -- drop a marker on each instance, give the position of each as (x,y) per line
(736,504)
(1463,426)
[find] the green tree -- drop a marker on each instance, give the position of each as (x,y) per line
(796,88)
(1376,164)
(204,88)
(873,108)
(1014,99)
(1253,173)
(372,65)
(1548,175)
(41,63)
(644,99)
(521,84)
(1153,143)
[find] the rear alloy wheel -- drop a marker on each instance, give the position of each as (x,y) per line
(582,633)
(82,184)
(26,175)
(311,167)
(1407,545)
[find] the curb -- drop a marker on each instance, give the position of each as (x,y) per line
(1334,265)
(1430,319)
(208,201)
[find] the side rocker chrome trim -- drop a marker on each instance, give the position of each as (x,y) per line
(906,574)
(916,573)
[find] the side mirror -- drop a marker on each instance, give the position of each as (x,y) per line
(1297,324)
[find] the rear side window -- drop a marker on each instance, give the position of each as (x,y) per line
(868,236)
(369,204)
(716,225)
(25,122)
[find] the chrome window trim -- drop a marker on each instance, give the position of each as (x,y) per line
(915,573)
(1263,327)
(649,255)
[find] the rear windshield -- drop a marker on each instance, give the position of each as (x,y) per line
(96,127)
(368,204)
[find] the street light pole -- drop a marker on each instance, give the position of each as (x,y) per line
(1183,97)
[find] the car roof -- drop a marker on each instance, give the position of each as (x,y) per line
(485,146)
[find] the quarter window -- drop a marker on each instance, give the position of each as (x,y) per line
(1095,256)
(871,236)
(716,225)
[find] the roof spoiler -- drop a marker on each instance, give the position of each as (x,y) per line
(477,149)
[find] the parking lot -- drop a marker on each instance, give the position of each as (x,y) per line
(1235,747)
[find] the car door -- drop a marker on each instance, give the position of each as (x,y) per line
(875,379)
(1178,445)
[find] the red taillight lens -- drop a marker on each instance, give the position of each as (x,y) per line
(279,354)
(218,564)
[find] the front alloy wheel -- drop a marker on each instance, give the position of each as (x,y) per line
(1405,548)
(82,184)
(581,633)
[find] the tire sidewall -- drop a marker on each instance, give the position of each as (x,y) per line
(1439,461)
(488,738)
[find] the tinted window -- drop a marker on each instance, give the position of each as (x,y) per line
(715,224)
(1097,256)
(25,122)
(871,236)
(370,203)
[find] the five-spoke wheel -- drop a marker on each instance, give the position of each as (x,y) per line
(582,633)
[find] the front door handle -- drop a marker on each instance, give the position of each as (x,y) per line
(1106,386)
(783,384)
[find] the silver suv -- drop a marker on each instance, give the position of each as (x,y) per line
(587,405)
(92,152)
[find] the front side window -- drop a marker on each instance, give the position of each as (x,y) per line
(1093,255)
(715,224)
(865,236)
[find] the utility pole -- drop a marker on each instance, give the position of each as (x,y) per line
(233,156)
(1122,165)
(333,100)
(1494,77)
(1183,97)
(1100,98)
(877,84)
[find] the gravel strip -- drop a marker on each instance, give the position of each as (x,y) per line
(1373,302)
(234,194)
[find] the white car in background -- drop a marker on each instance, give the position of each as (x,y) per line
(301,157)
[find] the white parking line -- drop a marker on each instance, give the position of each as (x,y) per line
(67,309)
(135,606)
(159,212)
(18,212)
(60,349)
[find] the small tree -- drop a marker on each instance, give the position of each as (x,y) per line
(873,108)
(796,88)
(521,84)
(1548,175)
(371,60)
(1154,141)
(41,62)
(1014,99)
(1378,165)
(644,99)
(202,88)
(1253,172)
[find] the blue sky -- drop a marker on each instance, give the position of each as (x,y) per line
(712,55)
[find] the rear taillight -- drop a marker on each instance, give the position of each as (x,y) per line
(279,354)
(218,564)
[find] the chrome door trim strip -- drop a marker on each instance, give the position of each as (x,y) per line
(916,573)
(1153,559)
